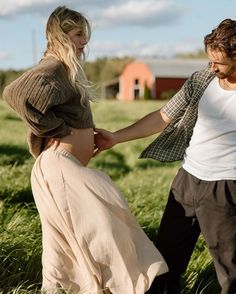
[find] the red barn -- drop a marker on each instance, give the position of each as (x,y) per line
(156,76)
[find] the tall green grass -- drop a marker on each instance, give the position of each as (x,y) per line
(145,184)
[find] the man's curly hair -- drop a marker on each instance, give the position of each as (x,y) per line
(223,38)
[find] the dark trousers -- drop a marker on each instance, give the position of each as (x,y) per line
(196,206)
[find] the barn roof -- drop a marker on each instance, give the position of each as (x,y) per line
(174,67)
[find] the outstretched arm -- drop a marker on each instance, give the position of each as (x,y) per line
(150,124)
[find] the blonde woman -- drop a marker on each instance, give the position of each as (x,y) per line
(91,241)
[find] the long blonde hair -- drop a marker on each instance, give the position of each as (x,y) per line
(61,21)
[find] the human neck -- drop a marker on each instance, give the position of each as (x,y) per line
(228,83)
(231,79)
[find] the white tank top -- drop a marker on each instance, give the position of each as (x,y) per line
(211,154)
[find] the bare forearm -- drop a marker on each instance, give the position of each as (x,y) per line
(150,124)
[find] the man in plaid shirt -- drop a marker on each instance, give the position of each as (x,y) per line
(198,126)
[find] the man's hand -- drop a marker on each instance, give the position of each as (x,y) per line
(103,140)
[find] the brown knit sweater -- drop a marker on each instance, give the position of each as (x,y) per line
(46,101)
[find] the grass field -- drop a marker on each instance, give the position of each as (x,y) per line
(145,184)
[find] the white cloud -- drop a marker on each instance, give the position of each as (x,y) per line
(140,49)
(141,13)
(102,12)
(44,7)
(113,20)
(4,55)
(12,7)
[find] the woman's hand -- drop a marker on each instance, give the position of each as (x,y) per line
(103,140)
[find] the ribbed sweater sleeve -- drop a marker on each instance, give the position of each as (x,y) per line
(33,98)
(45,99)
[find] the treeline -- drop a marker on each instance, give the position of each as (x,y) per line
(7,76)
(98,71)
(105,69)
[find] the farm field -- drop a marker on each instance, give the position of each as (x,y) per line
(144,182)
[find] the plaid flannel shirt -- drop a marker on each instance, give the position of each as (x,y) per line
(182,108)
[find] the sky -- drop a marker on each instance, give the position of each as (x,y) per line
(138,28)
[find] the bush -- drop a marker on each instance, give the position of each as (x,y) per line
(166,95)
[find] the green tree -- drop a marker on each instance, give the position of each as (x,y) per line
(198,54)
(147,92)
